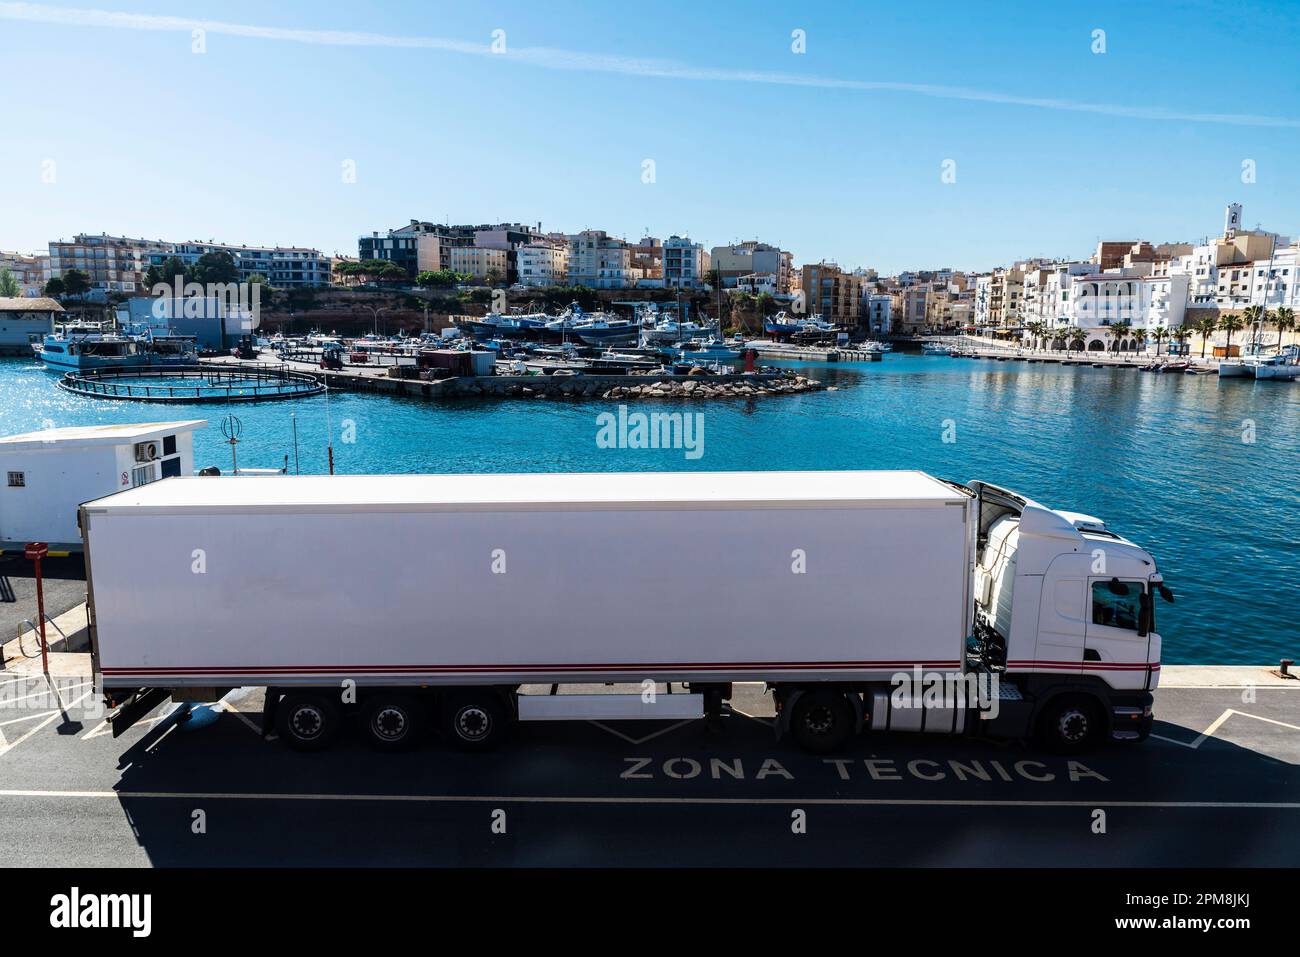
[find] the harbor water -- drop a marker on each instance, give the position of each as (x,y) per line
(1202,472)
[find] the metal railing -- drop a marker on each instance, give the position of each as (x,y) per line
(211,383)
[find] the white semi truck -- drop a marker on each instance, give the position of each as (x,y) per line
(465,603)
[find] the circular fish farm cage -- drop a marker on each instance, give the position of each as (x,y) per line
(192,383)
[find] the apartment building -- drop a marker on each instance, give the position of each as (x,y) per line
(647,261)
(877,313)
(482,263)
(30,272)
(421,246)
(285,267)
(542,263)
(598,260)
(832,293)
(113,263)
(686,264)
(749,258)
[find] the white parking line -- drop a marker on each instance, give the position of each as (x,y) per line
(648,737)
(28,717)
(43,691)
(580,799)
(5,749)
(1217,724)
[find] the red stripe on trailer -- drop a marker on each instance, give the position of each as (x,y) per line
(635,667)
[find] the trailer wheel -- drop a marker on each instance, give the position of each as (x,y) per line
(393,721)
(822,720)
(1069,725)
(475,720)
(307,722)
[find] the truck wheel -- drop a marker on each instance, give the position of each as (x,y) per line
(475,720)
(822,721)
(1069,725)
(393,721)
(307,722)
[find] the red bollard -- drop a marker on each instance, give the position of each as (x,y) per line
(35,551)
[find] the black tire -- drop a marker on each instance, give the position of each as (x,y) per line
(306,721)
(393,721)
(822,720)
(1070,725)
(475,719)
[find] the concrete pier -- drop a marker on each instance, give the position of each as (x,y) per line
(741,385)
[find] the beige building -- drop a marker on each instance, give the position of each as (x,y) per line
(598,260)
(750,257)
(479,262)
(832,293)
(113,263)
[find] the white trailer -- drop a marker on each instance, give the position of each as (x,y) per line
(423,600)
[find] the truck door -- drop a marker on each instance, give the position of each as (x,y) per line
(1116,634)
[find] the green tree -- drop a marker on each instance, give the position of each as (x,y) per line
(494,277)
(1159,334)
(1232,322)
(1180,336)
(1120,331)
(54,288)
(215,267)
(166,273)
(1205,328)
(9,287)
(1284,319)
(75,283)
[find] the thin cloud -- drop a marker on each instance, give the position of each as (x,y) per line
(555,59)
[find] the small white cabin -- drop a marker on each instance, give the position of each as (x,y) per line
(48,474)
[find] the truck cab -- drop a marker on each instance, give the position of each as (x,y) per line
(1064,612)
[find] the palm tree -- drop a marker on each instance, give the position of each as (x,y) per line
(1036,331)
(1232,322)
(1205,328)
(1253,316)
(1284,319)
(1140,337)
(1120,330)
(1180,336)
(1159,333)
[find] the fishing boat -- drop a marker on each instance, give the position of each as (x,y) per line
(781,325)
(80,351)
(935,349)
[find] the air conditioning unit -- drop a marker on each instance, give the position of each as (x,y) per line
(146,451)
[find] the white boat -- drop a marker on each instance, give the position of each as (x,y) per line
(710,350)
(1284,365)
(670,332)
(935,349)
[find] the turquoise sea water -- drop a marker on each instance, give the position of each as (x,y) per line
(1203,473)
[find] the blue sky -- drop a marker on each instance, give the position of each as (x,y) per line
(245,142)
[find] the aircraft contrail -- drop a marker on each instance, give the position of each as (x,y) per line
(556,59)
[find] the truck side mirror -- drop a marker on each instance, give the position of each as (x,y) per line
(1165,593)
(1117,587)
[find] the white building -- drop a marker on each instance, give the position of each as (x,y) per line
(598,261)
(48,474)
(542,264)
(686,264)
(877,313)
